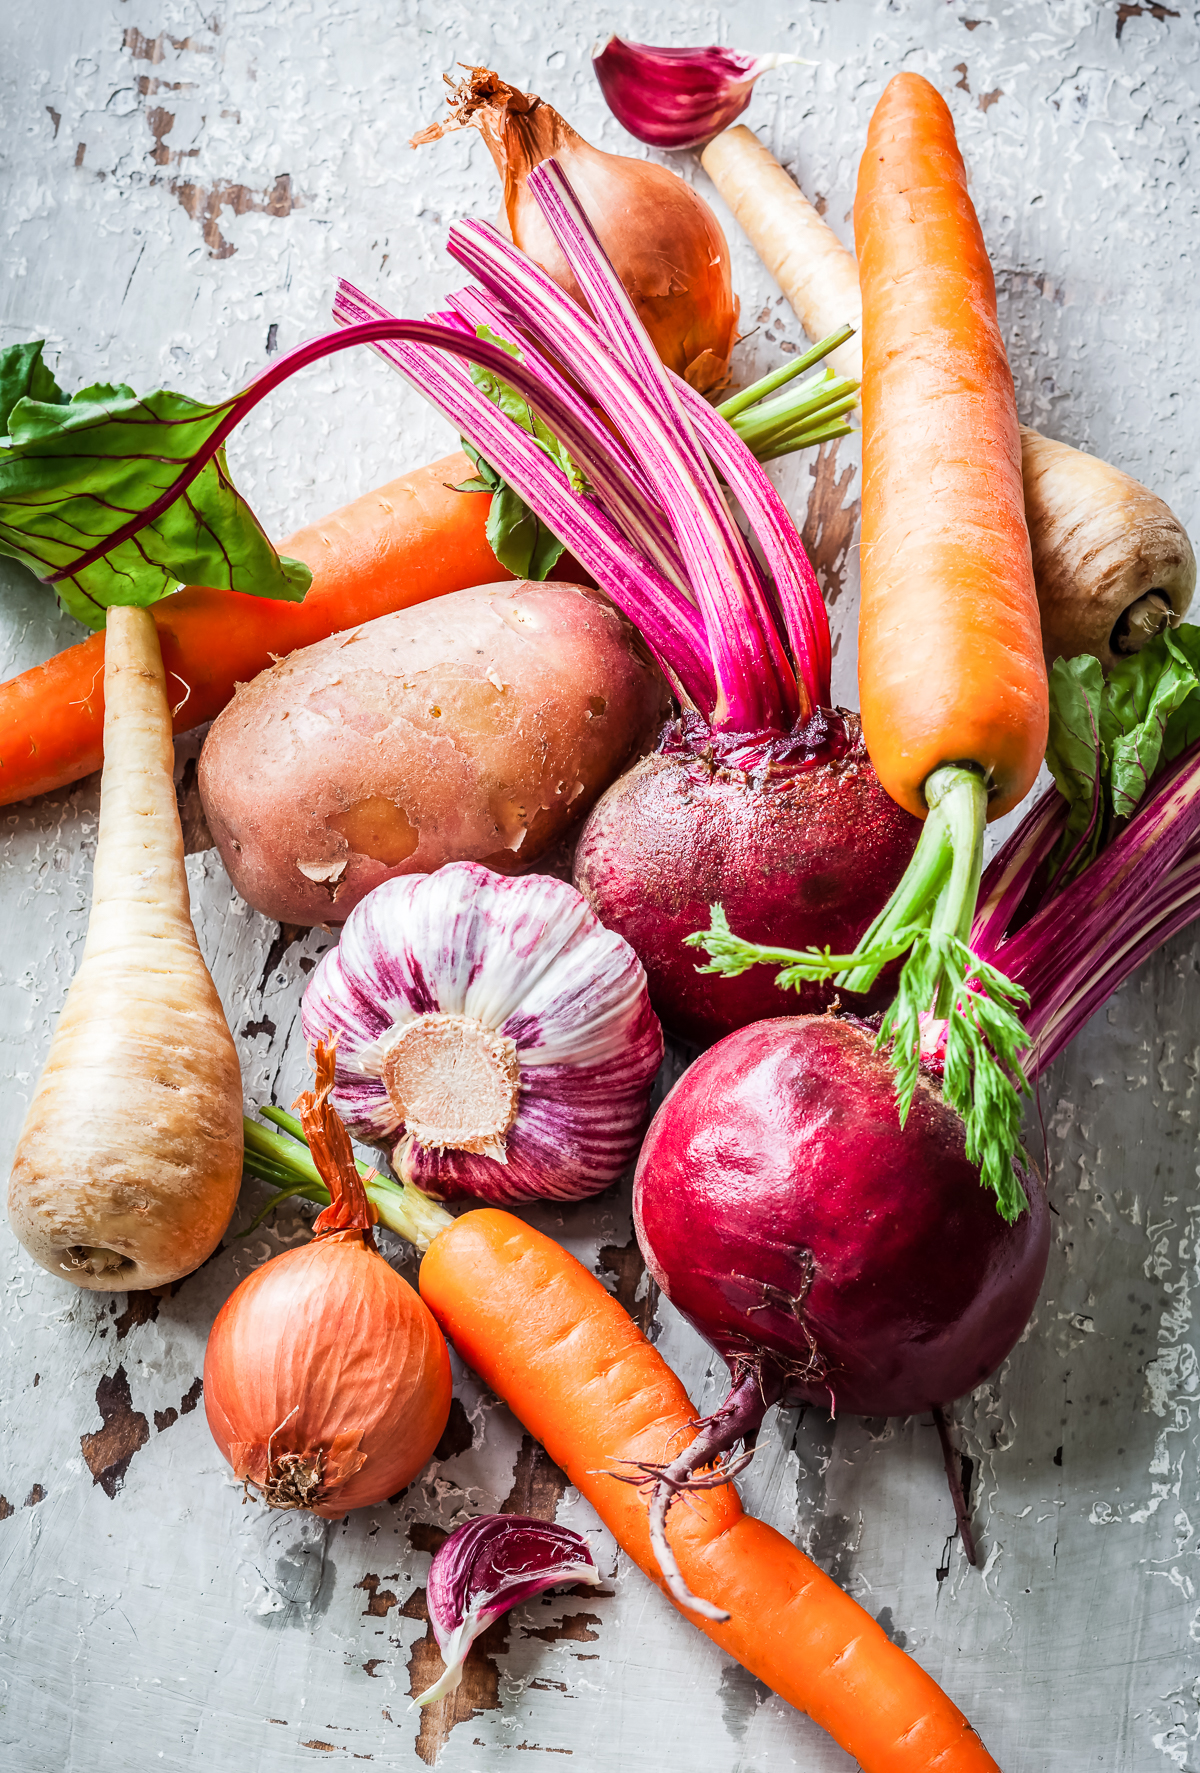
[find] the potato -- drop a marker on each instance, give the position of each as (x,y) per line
(480,726)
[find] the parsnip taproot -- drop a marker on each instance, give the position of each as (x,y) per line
(814,270)
(1112,562)
(130,1159)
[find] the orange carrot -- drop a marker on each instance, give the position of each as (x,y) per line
(406,542)
(578,1374)
(950,652)
(951,679)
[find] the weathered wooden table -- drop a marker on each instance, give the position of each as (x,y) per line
(182,187)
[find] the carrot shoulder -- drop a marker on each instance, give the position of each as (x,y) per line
(950,652)
(411,540)
(579,1375)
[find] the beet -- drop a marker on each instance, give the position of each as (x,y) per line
(786,1214)
(793,834)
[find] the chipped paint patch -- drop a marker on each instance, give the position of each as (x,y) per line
(108,1450)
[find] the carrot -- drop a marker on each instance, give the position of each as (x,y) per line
(408,541)
(950,655)
(578,1374)
(1112,563)
(952,684)
(130,1159)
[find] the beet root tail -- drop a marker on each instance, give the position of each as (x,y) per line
(705,1464)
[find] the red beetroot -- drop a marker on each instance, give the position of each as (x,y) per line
(786,1214)
(793,835)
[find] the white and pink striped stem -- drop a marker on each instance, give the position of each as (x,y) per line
(1080,944)
(708,440)
(653,526)
(756,683)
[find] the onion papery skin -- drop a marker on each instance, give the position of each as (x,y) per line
(784,1211)
(487,1566)
(799,842)
(677,98)
(332,1329)
(527,958)
(665,243)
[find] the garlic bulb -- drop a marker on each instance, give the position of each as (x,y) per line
(678,98)
(491,1034)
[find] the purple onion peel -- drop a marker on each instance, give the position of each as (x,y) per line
(678,98)
(487,1566)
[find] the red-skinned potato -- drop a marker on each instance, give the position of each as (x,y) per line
(477,727)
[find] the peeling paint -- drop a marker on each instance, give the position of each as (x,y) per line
(109,1450)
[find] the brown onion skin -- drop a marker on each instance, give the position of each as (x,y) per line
(665,243)
(667,248)
(332,1328)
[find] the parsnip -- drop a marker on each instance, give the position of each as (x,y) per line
(130,1158)
(803,254)
(1112,562)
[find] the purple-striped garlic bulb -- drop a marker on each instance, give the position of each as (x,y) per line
(491,1034)
(487,1566)
(678,98)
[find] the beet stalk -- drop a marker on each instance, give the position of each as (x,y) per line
(761,794)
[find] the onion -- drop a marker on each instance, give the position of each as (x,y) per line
(665,243)
(326,1379)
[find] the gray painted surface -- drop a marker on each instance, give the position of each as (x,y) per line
(182,185)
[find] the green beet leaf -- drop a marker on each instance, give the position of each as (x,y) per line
(23,375)
(1110,737)
(1076,758)
(517,536)
(74,472)
(1144,693)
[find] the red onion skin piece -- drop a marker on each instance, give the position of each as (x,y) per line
(875,1253)
(676,98)
(507,1557)
(488,1565)
(801,859)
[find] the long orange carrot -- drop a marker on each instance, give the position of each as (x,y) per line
(580,1376)
(406,542)
(950,651)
